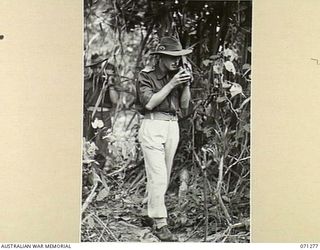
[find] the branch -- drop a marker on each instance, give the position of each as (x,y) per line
(218,191)
(89,198)
(238,160)
(105,227)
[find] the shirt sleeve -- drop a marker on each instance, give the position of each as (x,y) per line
(145,88)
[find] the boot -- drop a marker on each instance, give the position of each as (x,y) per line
(164,234)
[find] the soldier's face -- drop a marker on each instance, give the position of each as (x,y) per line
(171,63)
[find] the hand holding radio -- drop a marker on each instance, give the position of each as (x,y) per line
(182,77)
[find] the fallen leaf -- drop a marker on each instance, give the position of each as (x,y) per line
(103,194)
(105,213)
(225,198)
(146,236)
(92,235)
(125,218)
(90,222)
(95,177)
(183,220)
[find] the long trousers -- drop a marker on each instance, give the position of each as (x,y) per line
(159,140)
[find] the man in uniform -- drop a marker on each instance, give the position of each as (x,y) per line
(163,91)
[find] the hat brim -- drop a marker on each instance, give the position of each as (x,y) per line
(173,53)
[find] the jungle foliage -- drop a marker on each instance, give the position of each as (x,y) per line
(209,194)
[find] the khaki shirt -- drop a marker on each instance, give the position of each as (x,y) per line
(151,81)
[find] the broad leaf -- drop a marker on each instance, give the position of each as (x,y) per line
(230,67)
(235,89)
(217,69)
(230,54)
(246,66)
(206,62)
(226,85)
(221,99)
(94,177)
(214,57)
(97,123)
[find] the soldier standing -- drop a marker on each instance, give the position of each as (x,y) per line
(163,91)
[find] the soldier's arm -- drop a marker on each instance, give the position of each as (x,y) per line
(157,98)
(185,96)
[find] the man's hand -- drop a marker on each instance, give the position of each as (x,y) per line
(181,77)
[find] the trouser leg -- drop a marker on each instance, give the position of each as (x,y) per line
(170,146)
(152,137)
(156,180)
(159,140)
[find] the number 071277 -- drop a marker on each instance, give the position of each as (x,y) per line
(310,246)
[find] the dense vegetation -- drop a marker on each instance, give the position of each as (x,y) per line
(209,195)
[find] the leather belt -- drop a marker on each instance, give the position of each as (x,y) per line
(161,116)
